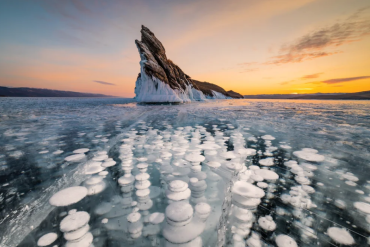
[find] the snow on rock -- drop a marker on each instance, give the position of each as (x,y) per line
(217,95)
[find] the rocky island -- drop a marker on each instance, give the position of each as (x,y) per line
(160,80)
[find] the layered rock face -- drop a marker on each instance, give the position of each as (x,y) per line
(160,80)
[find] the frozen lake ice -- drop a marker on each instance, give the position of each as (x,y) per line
(110,172)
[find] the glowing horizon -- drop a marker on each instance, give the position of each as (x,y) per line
(248,46)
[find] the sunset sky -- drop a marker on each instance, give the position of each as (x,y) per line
(249,46)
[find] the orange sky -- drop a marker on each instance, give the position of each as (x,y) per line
(249,46)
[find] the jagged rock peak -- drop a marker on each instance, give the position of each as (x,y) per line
(154,45)
(160,80)
(156,63)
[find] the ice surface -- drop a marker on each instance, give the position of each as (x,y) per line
(315,183)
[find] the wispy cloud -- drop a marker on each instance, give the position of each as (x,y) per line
(339,80)
(315,44)
(246,67)
(347,79)
(297,57)
(248,63)
(286,82)
(249,70)
(105,83)
(311,76)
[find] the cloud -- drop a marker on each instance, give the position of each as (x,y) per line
(315,44)
(246,67)
(311,76)
(297,57)
(286,82)
(249,70)
(247,63)
(105,83)
(347,79)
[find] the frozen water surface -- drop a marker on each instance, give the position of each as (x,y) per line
(110,172)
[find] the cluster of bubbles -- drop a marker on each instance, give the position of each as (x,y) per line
(189,164)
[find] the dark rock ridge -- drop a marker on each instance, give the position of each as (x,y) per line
(208,88)
(235,94)
(161,80)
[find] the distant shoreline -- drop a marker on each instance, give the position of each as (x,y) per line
(8,92)
(40,92)
(304,99)
(5,96)
(318,96)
